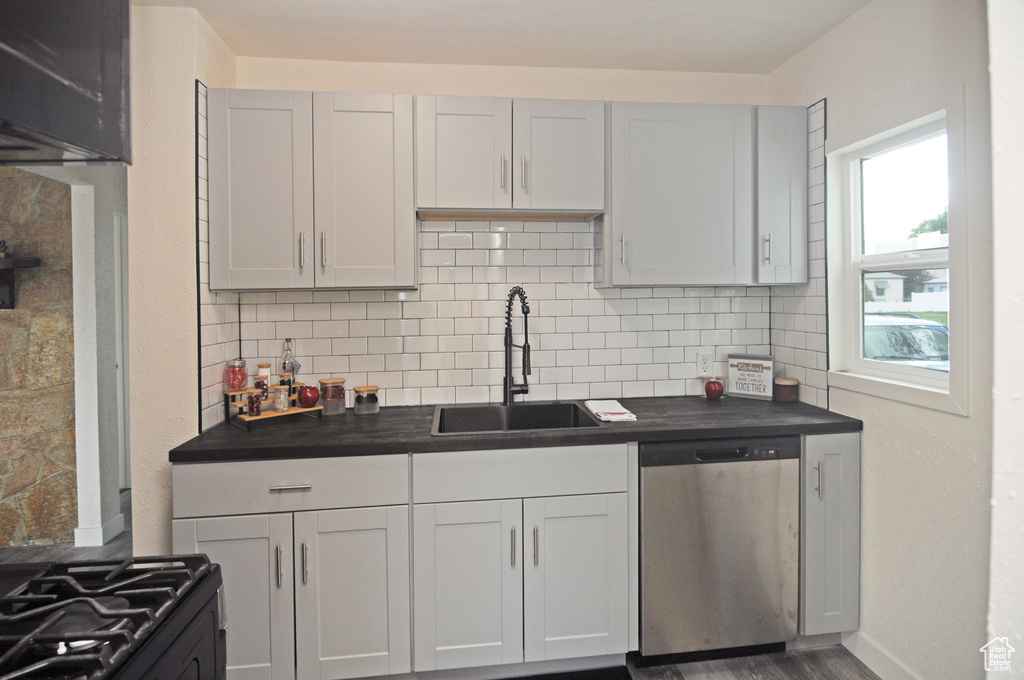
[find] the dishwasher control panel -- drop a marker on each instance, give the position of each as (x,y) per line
(697,452)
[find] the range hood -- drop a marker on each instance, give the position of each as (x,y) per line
(64,81)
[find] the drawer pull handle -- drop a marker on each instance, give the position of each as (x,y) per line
(291,487)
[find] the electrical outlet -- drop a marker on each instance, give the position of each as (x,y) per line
(705,359)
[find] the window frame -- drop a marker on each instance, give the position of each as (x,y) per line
(848,369)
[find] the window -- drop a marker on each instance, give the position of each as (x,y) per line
(893,279)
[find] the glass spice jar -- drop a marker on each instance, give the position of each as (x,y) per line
(285,379)
(281,401)
(332,395)
(262,383)
(366,400)
(235,376)
(254,407)
(263,368)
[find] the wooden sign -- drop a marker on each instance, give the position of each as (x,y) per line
(750,376)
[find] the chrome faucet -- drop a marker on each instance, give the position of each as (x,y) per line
(509,387)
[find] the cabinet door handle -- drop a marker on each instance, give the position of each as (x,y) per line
(768,242)
(502,171)
(302,249)
(280,565)
(536,547)
(323,248)
(821,474)
(290,487)
(513,546)
(622,250)
(305,562)
(522,171)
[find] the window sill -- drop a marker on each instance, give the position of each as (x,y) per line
(895,390)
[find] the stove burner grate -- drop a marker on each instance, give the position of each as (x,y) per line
(80,620)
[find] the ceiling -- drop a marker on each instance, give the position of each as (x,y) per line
(716,36)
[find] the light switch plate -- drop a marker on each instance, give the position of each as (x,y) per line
(705,360)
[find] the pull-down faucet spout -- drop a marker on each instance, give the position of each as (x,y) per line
(509,387)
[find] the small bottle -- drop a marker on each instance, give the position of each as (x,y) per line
(366,400)
(288,358)
(235,376)
(281,398)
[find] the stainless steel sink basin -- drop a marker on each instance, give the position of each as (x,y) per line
(497,418)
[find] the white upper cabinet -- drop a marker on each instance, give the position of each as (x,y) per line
(364,217)
(271,152)
(463,152)
(681,210)
(558,154)
(482,153)
(781,194)
(705,195)
(261,189)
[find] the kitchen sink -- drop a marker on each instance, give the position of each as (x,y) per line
(559,415)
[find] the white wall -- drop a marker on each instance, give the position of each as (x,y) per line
(1006,599)
(170,48)
(926,474)
(502,81)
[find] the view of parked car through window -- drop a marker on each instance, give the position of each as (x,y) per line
(907,339)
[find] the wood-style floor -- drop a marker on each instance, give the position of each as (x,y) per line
(822,663)
(120,547)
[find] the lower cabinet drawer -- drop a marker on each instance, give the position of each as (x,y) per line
(238,488)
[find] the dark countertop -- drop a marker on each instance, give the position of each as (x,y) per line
(406,429)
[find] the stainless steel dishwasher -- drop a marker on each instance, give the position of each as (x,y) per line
(719,543)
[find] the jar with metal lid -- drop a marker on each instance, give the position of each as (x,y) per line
(366,400)
(332,395)
(281,400)
(235,376)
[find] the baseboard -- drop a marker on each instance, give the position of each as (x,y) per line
(813,641)
(874,656)
(96,536)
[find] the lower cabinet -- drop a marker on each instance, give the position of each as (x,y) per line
(533,579)
(830,539)
(255,555)
(321,594)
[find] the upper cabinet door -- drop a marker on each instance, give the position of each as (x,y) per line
(363,168)
(781,194)
(682,195)
(558,154)
(463,152)
(261,189)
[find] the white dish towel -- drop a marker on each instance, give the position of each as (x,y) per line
(609,410)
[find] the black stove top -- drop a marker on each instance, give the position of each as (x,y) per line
(84,620)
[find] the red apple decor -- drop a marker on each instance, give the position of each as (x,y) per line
(714,388)
(308,396)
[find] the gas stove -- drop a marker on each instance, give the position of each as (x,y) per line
(140,618)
